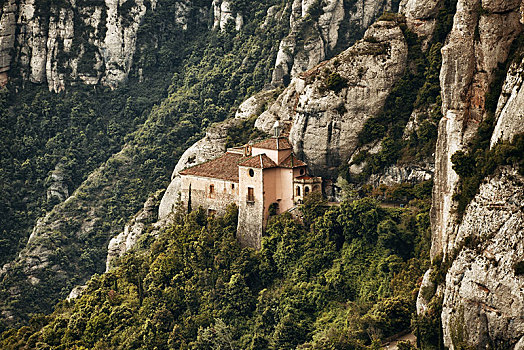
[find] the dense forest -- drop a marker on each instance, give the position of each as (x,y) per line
(342,277)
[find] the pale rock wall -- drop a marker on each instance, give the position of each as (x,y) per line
(92,44)
(133,230)
(475,46)
(510,107)
(311,42)
(223,14)
(324,124)
(483,296)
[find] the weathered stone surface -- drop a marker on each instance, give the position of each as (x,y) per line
(46,49)
(57,185)
(510,108)
(483,296)
(324,124)
(122,243)
(468,62)
(223,14)
(421,17)
(309,43)
(394,175)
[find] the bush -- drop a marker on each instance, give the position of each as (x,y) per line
(335,82)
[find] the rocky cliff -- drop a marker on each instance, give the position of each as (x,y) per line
(326,107)
(482,291)
(320,29)
(90,43)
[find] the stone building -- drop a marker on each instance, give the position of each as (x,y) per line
(260,178)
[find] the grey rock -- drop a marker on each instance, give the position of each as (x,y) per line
(324,124)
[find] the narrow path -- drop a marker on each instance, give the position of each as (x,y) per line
(392,345)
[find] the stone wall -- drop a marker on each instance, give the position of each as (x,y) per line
(224,193)
(250,213)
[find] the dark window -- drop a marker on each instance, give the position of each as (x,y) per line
(298,191)
(302,171)
(306,190)
(251,172)
(211,191)
(232,186)
(250,194)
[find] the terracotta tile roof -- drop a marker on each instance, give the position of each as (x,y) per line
(274,143)
(291,162)
(224,168)
(260,161)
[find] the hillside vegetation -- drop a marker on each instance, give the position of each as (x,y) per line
(343,277)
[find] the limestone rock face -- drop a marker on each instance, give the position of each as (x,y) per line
(57,186)
(393,175)
(510,108)
(223,14)
(483,295)
(468,61)
(316,30)
(43,44)
(209,147)
(324,119)
(122,243)
(421,17)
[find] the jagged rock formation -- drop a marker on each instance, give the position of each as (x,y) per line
(483,297)
(223,14)
(92,43)
(421,17)
(324,120)
(135,229)
(211,146)
(478,42)
(317,28)
(57,185)
(482,293)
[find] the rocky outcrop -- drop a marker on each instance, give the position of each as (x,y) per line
(483,295)
(317,28)
(133,230)
(89,43)
(57,184)
(326,107)
(407,173)
(421,17)
(211,146)
(510,108)
(478,42)
(223,14)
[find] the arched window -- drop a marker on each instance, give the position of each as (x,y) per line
(306,190)
(302,171)
(298,191)
(251,172)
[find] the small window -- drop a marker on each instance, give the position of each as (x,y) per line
(298,191)
(250,194)
(251,172)
(302,171)
(306,190)
(232,186)
(211,191)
